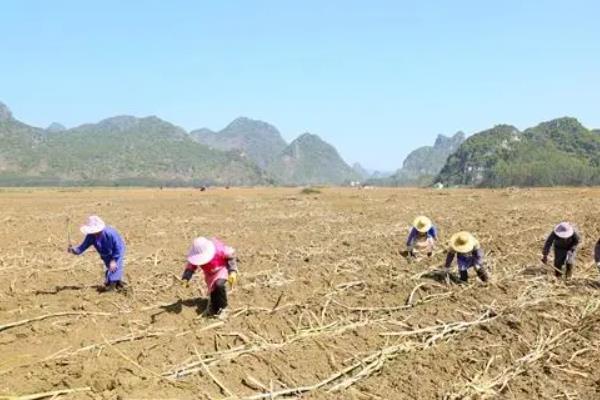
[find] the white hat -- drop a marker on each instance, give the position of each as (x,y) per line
(94,224)
(202,251)
(564,230)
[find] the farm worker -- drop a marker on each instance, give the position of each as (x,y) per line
(423,235)
(218,264)
(468,254)
(110,246)
(565,239)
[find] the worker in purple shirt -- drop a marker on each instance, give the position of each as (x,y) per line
(422,237)
(564,239)
(468,254)
(109,245)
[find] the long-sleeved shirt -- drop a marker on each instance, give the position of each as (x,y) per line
(222,264)
(597,252)
(568,244)
(465,260)
(414,234)
(109,244)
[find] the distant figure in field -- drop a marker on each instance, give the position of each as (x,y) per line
(218,264)
(422,237)
(110,246)
(565,239)
(468,254)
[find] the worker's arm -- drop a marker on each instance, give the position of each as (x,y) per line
(433,232)
(118,246)
(189,271)
(87,242)
(549,241)
(232,268)
(410,241)
(576,241)
(449,259)
(477,256)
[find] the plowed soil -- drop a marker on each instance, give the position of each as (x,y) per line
(326,306)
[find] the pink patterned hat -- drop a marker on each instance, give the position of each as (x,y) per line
(94,224)
(202,251)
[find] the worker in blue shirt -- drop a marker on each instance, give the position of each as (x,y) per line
(109,245)
(422,237)
(469,254)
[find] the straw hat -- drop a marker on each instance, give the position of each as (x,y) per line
(94,224)
(202,251)
(422,224)
(564,230)
(463,242)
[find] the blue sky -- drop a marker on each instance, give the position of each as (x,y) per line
(375,78)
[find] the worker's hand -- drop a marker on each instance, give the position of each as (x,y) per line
(232,279)
(187,275)
(447,276)
(545,259)
(112,266)
(70,249)
(569,257)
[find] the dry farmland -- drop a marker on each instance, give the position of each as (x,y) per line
(326,306)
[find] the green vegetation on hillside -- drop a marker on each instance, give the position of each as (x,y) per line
(310,160)
(422,165)
(557,152)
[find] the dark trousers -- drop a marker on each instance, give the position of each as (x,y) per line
(560,260)
(218,297)
(481,273)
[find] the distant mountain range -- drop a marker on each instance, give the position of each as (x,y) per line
(126,150)
(256,140)
(422,165)
(557,152)
(309,160)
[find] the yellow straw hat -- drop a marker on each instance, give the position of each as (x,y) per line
(463,242)
(422,223)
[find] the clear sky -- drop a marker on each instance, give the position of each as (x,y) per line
(375,78)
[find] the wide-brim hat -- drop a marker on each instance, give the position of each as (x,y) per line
(93,224)
(564,230)
(463,242)
(202,251)
(422,224)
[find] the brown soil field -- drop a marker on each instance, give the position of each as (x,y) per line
(326,306)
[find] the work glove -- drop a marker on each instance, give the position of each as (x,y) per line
(569,257)
(187,275)
(232,278)
(545,259)
(447,275)
(112,266)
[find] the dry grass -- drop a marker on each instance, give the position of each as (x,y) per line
(326,306)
